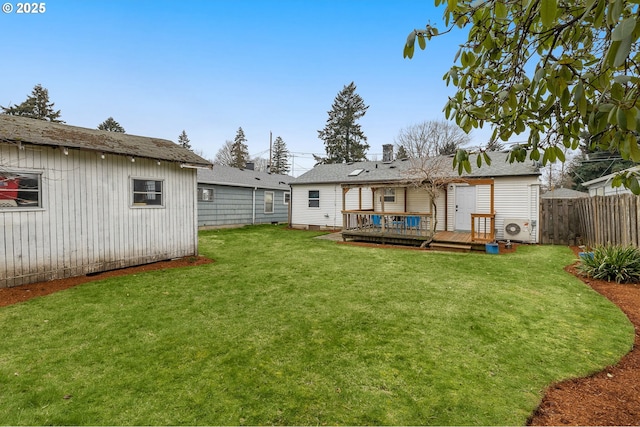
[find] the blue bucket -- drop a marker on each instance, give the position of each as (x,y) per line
(585,255)
(492,248)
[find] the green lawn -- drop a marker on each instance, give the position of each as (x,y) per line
(287,329)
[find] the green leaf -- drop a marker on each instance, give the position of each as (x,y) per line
(467,166)
(548,9)
(612,53)
(409,46)
(634,150)
(633,185)
(479,161)
(421,42)
(623,52)
(630,115)
(487,159)
(624,29)
(500,10)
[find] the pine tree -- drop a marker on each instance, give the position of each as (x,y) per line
(402,153)
(280,157)
(110,125)
(239,150)
(343,138)
(184,140)
(36,106)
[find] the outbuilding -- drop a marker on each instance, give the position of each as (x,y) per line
(75,201)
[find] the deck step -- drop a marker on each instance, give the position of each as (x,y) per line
(454,247)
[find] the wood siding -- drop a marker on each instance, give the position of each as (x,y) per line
(609,220)
(86,223)
(559,222)
(234,206)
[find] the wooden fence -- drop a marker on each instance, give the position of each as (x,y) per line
(559,222)
(591,221)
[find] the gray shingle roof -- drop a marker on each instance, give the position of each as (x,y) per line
(563,193)
(234,177)
(399,170)
(40,132)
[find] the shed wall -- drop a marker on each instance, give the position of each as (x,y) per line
(87,222)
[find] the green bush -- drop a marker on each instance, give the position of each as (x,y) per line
(619,263)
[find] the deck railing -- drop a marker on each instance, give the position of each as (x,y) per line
(393,223)
(483,227)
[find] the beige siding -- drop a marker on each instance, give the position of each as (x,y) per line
(86,223)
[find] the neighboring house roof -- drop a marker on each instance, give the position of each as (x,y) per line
(399,170)
(608,178)
(18,129)
(234,177)
(563,193)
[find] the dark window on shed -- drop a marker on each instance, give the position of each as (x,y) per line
(20,190)
(147,192)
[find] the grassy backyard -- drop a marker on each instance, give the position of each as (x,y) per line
(287,329)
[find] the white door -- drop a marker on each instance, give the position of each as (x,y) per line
(465,206)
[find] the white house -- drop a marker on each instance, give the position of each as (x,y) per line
(380,200)
(602,186)
(75,201)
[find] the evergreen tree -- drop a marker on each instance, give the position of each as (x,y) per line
(36,106)
(280,157)
(239,150)
(494,145)
(110,125)
(402,153)
(594,163)
(184,140)
(343,138)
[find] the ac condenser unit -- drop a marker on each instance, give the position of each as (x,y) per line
(517,229)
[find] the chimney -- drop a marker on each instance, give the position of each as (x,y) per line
(250,166)
(387,153)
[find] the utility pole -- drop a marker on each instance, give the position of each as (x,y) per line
(270,154)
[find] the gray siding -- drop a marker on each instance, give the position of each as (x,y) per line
(234,206)
(87,223)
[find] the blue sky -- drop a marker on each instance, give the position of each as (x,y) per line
(210,67)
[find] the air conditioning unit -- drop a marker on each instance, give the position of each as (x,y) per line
(517,229)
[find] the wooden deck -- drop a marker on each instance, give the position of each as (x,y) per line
(414,229)
(444,240)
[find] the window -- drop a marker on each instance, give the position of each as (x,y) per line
(147,192)
(20,189)
(314,198)
(205,194)
(268,202)
(390,195)
(287,197)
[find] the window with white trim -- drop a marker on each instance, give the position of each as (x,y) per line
(205,194)
(287,197)
(147,192)
(20,189)
(389,195)
(268,202)
(314,198)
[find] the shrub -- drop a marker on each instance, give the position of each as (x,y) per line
(619,263)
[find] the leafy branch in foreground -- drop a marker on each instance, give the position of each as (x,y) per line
(556,69)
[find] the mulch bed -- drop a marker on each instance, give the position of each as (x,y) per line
(17,294)
(610,397)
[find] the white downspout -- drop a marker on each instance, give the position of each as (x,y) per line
(253,214)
